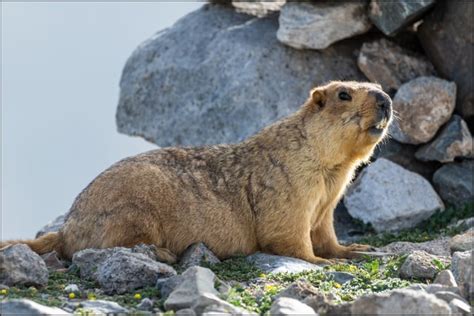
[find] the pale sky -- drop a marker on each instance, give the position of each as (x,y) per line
(61,66)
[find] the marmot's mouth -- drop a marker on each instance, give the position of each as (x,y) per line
(379,127)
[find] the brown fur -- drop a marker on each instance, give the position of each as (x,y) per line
(275,192)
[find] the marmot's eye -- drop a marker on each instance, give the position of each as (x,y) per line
(344,96)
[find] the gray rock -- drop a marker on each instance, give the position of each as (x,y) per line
(390,65)
(126,271)
(317,25)
(461,265)
(27,307)
(185,312)
(290,306)
(196,254)
(400,302)
(89,260)
(101,307)
(21,266)
(225,92)
(276,264)
(71,288)
(195,282)
(454,182)
(463,224)
(453,141)
(419,265)
(435,288)
(446,36)
(210,304)
(146,304)
(53,226)
(462,242)
(437,247)
(460,307)
(422,105)
(167,285)
(445,278)
(392,16)
(341,277)
(390,197)
(448,296)
(258,8)
(52,261)
(300,290)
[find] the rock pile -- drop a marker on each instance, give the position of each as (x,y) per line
(220,66)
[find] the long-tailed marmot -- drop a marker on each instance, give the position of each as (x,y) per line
(274,192)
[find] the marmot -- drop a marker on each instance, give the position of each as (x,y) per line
(275,192)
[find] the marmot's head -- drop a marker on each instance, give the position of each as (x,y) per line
(354,116)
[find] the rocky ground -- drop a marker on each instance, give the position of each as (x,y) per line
(235,67)
(429,272)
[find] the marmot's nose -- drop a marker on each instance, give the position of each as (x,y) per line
(383,102)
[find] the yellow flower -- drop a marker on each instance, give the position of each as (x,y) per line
(137,296)
(3,292)
(270,288)
(337,285)
(72,295)
(262,275)
(91,296)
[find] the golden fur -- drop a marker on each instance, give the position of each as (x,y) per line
(274,192)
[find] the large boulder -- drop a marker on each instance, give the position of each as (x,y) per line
(422,105)
(390,197)
(126,271)
(392,16)
(317,25)
(454,140)
(400,302)
(454,182)
(385,62)
(21,266)
(446,36)
(220,76)
(277,264)
(27,307)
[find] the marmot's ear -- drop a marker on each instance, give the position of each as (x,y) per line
(318,96)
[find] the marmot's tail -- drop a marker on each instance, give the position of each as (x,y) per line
(44,244)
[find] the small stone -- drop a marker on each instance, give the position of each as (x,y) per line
(390,65)
(459,307)
(461,266)
(462,242)
(437,247)
(453,141)
(290,306)
(210,303)
(463,224)
(145,305)
(317,25)
(27,307)
(400,302)
(445,278)
(195,281)
(454,182)
(52,261)
(419,264)
(392,16)
(21,266)
(300,290)
(71,288)
(167,285)
(448,296)
(390,197)
(102,307)
(276,264)
(185,312)
(53,226)
(258,8)
(196,254)
(341,277)
(423,105)
(126,271)
(435,288)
